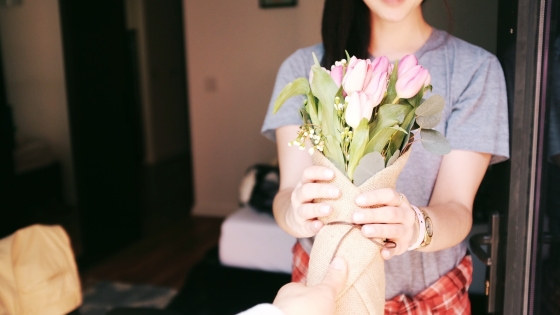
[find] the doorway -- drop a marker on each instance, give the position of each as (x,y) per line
(125,79)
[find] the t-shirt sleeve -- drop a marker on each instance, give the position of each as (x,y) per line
(296,66)
(479,118)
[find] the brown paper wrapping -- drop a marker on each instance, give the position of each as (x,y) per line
(364,292)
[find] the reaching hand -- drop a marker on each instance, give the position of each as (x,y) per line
(303,213)
(394,219)
(296,298)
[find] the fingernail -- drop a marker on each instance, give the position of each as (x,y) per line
(329,173)
(325,209)
(333,192)
(358,216)
(317,225)
(360,200)
(337,263)
(368,229)
(385,253)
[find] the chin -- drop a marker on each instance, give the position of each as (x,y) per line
(392,10)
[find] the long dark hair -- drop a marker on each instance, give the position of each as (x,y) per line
(346,26)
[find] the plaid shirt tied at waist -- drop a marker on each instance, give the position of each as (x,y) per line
(447,296)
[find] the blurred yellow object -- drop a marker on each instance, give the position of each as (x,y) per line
(38,273)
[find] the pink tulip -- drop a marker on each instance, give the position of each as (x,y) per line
(406,63)
(360,106)
(428,80)
(355,76)
(336,74)
(377,87)
(381,64)
(410,82)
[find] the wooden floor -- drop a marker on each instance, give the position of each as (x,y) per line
(162,259)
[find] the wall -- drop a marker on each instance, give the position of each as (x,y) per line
(33,63)
(234,49)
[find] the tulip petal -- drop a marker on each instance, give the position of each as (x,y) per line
(406,63)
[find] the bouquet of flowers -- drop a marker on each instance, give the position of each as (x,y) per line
(361,118)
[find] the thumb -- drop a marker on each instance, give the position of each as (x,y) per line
(336,275)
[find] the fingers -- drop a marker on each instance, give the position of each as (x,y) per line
(384,215)
(309,191)
(335,278)
(316,173)
(384,196)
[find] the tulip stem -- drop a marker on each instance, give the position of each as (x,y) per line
(396,100)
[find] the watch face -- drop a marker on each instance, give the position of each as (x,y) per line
(429,228)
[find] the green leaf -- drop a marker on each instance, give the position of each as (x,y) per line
(380,140)
(429,122)
(370,164)
(389,115)
(332,149)
(297,87)
(324,88)
(399,129)
(347,56)
(434,141)
(311,108)
(357,146)
(431,106)
(408,124)
(391,91)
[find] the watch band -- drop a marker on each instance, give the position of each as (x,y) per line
(421,230)
(429,230)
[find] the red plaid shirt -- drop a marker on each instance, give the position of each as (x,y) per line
(447,296)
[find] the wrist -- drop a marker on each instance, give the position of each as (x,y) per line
(421,223)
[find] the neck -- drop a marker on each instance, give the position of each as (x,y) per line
(397,39)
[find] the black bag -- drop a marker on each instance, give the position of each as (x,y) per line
(259,186)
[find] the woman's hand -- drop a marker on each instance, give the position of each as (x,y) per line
(394,219)
(302,214)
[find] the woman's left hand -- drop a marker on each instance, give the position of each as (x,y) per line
(394,220)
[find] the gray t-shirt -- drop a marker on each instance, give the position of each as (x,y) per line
(474,119)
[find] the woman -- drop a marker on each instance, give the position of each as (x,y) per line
(474,122)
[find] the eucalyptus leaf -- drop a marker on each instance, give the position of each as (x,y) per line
(297,87)
(429,122)
(393,158)
(357,146)
(431,106)
(370,164)
(434,141)
(339,166)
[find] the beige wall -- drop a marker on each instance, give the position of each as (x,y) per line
(33,63)
(234,49)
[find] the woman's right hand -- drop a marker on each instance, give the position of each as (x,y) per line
(302,214)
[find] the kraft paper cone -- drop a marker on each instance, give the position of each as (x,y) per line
(364,292)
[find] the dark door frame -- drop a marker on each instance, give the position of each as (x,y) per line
(526,110)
